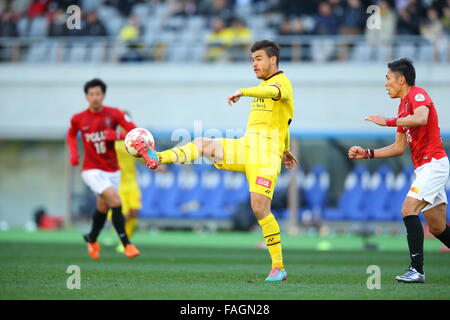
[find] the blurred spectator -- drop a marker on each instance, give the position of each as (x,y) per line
(326,23)
(238,36)
(63,4)
(446,19)
(130,34)
(388,23)
(18,6)
(125,7)
(431,27)
(216,8)
(182,7)
(217,40)
(291,8)
(57,26)
(352,23)
(94,27)
(8,25)
(409,19)
(338,8)
(38,8)
(353,20)
(8,28)
(131,31)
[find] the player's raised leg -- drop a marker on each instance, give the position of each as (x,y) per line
(436,220)
(112,198)
(410,212)
(261,208)
(199,147)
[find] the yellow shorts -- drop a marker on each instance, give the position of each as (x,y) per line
(130,195)
(261,166)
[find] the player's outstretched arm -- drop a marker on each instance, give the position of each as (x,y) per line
(419,118)
(256,92)
(393,150)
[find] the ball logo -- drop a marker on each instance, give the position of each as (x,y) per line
(263,182)
(419,97)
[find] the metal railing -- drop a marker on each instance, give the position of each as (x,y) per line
(188,48)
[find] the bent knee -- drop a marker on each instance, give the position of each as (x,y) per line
(436,230)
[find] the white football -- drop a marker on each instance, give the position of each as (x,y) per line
(133,136)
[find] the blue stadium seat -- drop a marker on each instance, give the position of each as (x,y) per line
(402,184)
(146,180)
(381,186)
(188,202)
(352,202)
(212,193)
(167,192)
(236,192)
(315,189)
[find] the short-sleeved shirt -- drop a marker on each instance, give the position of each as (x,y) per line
(98,152)
(425,141)
(272,117)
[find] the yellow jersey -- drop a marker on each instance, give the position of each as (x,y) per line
(271,118)
(127,164)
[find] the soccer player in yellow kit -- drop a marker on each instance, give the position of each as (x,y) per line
(129,191)
(259,153)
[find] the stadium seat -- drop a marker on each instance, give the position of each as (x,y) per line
(114,24)
(91,5)
(77,53)
(146,180)
(352,202)
(141,11)
(383,53)
(426,54)
(38,52)
(405,50)
(212,193)
(236,192)
(22,25)
(98,53)
(401,187)
(167,191)
(362,52)
(381,187)
(316,186)
(38,28)
(189,200)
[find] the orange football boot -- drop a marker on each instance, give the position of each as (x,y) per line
(131,251)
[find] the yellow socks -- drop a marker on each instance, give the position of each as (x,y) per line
(187,153)
(271,232)
(130,226)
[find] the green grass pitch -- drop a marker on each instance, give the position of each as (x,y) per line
(225,266)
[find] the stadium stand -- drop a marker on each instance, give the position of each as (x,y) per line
(320,31)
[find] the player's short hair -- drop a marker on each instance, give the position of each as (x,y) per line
(405,67)
(270,47)
(95,83)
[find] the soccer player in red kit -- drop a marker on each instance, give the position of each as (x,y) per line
(100,170)
(417,125)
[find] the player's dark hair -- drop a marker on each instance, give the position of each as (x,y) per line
(95,83)
(405,67)
(271,48)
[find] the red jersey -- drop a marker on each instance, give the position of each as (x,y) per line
(99,153)
(424,141)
